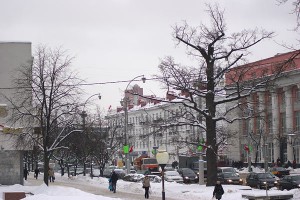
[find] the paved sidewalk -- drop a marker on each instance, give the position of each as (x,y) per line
(90,189)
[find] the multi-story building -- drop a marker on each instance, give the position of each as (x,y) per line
(273,131)
(163,123)
(12,56)
(156,123)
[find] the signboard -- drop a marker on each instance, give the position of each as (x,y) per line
(126,149)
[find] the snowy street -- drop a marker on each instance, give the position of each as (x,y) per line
(94,189)
(82,183)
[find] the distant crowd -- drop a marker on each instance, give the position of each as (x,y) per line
(278,163)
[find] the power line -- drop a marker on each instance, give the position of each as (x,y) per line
(85,84)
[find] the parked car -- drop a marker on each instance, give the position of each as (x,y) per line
(172,176)
(229,178)
(279,171)
(226,169)
(289,182)
(133,177)
(195,168)
(154,178)
(108,170)
(277,178)
(261,180)
(188,175)
(121,173)
(169,167)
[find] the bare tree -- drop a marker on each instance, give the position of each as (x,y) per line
(216,53)
(46,96)
(296,10)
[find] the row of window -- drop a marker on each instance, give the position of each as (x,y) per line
(170,130)
(269,124)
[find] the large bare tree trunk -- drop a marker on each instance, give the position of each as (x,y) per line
(216,54)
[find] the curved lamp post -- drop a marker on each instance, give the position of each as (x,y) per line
(162,158)
(83,115)
(124,102)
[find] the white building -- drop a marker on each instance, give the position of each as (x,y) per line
(149,125)
(274,131)
(159,123)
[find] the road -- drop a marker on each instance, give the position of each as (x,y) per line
(91,189)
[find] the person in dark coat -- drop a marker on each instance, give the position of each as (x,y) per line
(114,178)
(294,164)
(218,191)
(25,173)
(36,173)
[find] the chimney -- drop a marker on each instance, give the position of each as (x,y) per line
(170,96)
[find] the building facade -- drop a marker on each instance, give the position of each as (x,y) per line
(12,56)
(272,131)
(156,124)
(162,123)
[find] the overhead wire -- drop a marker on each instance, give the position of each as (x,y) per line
(86,84)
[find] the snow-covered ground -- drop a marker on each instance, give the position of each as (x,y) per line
(173,190)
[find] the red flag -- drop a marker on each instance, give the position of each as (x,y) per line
(131,149)
(246,147)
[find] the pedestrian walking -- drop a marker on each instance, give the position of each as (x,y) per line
(114,178)
(36,173)
(218,191)
(294,164)
(146,186)
(110,187)
(51,175)
(25,173)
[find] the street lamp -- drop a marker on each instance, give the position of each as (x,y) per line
(162,158)
(83,115)
(124,103)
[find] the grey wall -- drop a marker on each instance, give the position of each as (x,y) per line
(13,55)
(11,168)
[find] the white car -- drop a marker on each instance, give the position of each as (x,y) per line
(171,176)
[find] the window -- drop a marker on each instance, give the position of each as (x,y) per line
(269,123)
(270,152)
(282,122)
(298,95)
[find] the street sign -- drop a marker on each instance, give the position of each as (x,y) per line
(126,149)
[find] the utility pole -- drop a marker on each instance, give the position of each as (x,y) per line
(125,102)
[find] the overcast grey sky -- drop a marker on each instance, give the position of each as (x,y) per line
(116,40)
